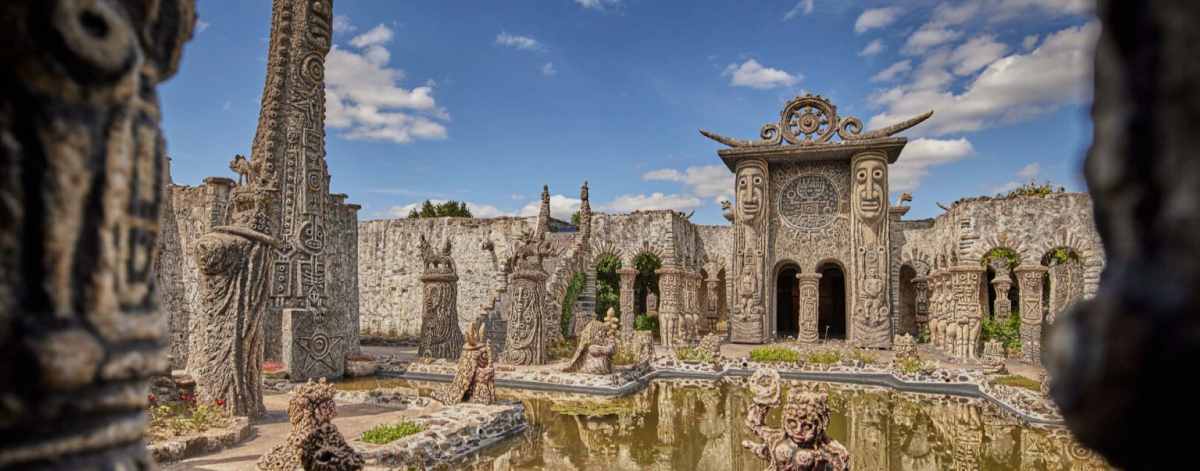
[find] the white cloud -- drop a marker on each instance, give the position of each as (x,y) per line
(947,14)
(202,25)
(515,196)
(893,72)
(805,6)
(876,18)
(875,47)
(1014,88)
(548,69)
(378,35)
(341,24)
(364,99)
(922,154)
(925,39)
(561,207)
(977,53)
(1030,171)
(1030,42)
(598,4)
(705,182)
(520,42)
(227,105)
(1005,9)
(754,75)
(1002,189)
(677,202)
(477,210)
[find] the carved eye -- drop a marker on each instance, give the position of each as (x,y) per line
(742,182)
(862,175)
(95,34)
(757,180)
(878,173)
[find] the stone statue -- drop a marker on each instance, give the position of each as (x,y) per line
(750,231)
(525,342)
(241,167)
(710,344)
(475,379)
(643,345)
(802,443)
(651,304)
(440,334)
(314,442)
(597,345)
(227,344)
(82,186)
(993,358)
(905,347)
(872,320)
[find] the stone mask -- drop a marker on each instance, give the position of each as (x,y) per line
(751,185)
(870,183)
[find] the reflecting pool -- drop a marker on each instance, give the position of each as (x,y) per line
(699,425)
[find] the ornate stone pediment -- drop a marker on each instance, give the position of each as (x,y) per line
(810,121)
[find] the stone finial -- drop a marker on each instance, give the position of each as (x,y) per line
(810,120)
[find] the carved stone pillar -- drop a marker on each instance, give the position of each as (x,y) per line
(967,321)
(1030,279)
(809,299)
(652,303)
(669,281)
(441,337)
(921,302)
(712,298)
(82,186)
(525,343)
(628,276)
(872,325)
(1002,308)
(748,323)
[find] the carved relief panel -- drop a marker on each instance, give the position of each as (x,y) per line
(750,247)
(871,326)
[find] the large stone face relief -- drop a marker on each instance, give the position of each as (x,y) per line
(525,343)
(440,334)
(872,321)
(809,246)
(750,251)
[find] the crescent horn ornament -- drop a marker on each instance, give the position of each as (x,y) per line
(812,120)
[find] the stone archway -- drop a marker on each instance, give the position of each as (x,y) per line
(832,315)
(787,301)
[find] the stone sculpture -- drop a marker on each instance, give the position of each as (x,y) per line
(440,334)
(525,343)
(669,281)
(313,342)
(905,348)
(750,246)
(227,346)
(967,322)
(597,346)
(651,304)
(1066,286)
(628,277)
(993,358)
(474,381)
(1030,283)
(809,300)
(802,443)
(82,174)
(711,345)
(872,319)
(313,440)
(643,344)
(921,302)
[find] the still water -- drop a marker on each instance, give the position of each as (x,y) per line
(698,425)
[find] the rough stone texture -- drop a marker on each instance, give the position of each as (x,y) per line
(993,358)
(227,346)
(1030,281)
(212,441)
(440,334)
(474,379)
(597,345)
(313,437)
(1116,361)
(312,345)
(528,320)
(452,433)
(82,177)
(801,444)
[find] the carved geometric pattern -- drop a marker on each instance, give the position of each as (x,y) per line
(809,202)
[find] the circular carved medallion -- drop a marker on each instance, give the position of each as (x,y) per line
(809,202)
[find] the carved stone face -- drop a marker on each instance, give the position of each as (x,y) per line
(870,183)
(751,186)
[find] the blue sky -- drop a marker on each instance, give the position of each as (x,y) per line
(484,104)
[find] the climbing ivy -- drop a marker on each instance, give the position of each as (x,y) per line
(574,289)
(1063,255)
(1000,252)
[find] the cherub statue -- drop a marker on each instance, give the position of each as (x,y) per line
(802,444)
(241,167)
(597,345)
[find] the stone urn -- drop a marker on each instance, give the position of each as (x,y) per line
(361,365)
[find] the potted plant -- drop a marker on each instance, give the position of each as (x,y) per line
(361,364)
(273,370)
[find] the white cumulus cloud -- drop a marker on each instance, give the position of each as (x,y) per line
(599,4)
(519,42)
(548,69)
(341,24)
(920,155)
(376,36)
(976,54)
(708,181)
(925,39)
(805,6)
(754,75)
(561,207)
(875,47)
(893,72)
(876,18)
(1030,171)
(677,202)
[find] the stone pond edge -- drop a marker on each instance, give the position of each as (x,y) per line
(212,441)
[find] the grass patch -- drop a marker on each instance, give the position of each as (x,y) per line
(1020,382)
(382,434)
(693,354)
(827,357)
(914,365)
(625,355)
(774,353)
(591,408)
(562,349)
(184,417)
(867,357)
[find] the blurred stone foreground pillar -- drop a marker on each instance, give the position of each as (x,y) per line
(82,180)
(1120,362)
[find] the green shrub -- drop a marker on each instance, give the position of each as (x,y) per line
(827,357)
(1008,333)
(625,355)
(644,322)
(924,336)
(1000,252)
(574,288)
(1020,382)
(382,434)
(915,365)
(774,353)
(1063,255)
(1034,188)
(693,354)
(561,349)
(863,355)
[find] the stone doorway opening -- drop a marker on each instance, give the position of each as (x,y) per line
(787,302)
(831,308)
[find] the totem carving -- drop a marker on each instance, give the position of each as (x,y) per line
(809,299)
(1030,279)
(748,324)
(525,343)
(1066,287)
(872,320)
(628,277)
(597,346)
(291,141)
(921,302)
(643,345)
(993,358)
(314,442)
(227,345)
(652,304)
(1002,309)
(440,334)
(474,380)
(82,181)
(712,299)
(669,281)
(967,321)
(802,443)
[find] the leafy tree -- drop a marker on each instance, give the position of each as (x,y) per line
(608,285)
(575,218)
(449,208)
(646,281)
(574,289)
(1033,188)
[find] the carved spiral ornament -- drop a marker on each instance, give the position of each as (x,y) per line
(812,120)
(809,116)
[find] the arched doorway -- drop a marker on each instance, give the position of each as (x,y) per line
(787,302)
(831,308)
(907,317)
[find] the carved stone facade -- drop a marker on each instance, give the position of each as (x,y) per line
(440,334)
(1030,279)
(964,327)
(82,173)
(313,344)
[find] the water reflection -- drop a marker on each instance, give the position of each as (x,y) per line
(698,425)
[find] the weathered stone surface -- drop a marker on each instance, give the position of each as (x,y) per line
(313,438)
(440,337)
(82,173)
(474,380)
(597,345)
(312,345)
(527,338)
(802,443)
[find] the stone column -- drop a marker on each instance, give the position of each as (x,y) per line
(669,280)
(809,299)
(441,336)
(525,343)
(1029,279)
(967,321)
(921,303)
(872,323)
(712,299)
(628,275)
(82,186)
(1002,308)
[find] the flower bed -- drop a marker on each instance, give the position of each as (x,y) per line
(186,427)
